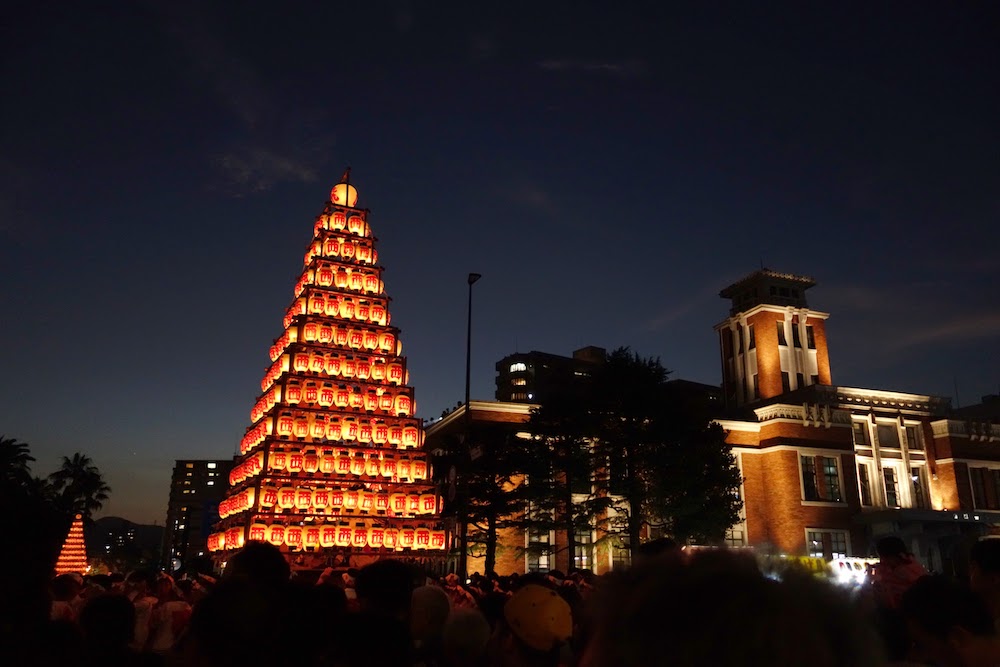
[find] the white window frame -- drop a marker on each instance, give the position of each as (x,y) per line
(846,533)
(831,453)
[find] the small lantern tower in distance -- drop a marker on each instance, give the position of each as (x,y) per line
(332,461)
(73,555)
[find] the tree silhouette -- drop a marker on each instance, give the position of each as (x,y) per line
(79,486)
(15,462)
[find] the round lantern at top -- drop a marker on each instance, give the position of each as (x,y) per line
(344,194)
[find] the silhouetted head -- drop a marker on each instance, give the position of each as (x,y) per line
(385,587)
(260,563)
(948,623)
(108,622)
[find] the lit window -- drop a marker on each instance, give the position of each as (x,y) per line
(828,544)
(918,477)
(781,334)
(519,366)
(519,382)
(188,465)
(810,337)
(211,482)
(820,478)
(913,440)
(861,434)
(865,483)
(211,466)
(891,487)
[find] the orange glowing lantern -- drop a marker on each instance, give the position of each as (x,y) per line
(390,538)
(358,466)
(234,538)
(342,336)
(356,225)
(326,395)
(407,537)
(388,467)
(395,373)
(311,332)
(357,400)
(364,369)
(341,279)
(364,252)
(363,312)
(268,496)
(317,304)
(347,309)
(397,503)
(378,371)
(351,499)
(333,365)
(286,497)
(258,532)
(385,402)
(303,498)
(371,282)
(366,503)
(344,194)
(325,333)
(422,538)
(336,499)
(310,394)
(310,537)
(318,428)
(328,465)
(395,436)
(278,461)
(380,435)
(332,307)
(357,281)
(344,536)
(348,248)
(356,339)
(342,398)
(365,432)
(325,276)
(374,467)
(317,363)
(428,503)
(360,538)
(351,432)
(371,340)
(376,537)
(438,539)
(321,498)
(404,405)
(411,436)
(333,429)
(293,393)
(382,502)
(276,534)
(293,537)
(413,503)
(419,469)
(328,536)
(295,461)
(339,219)
(343,465)
(286,425)
(349,368)
(371,401)
(403,469)
(331,247)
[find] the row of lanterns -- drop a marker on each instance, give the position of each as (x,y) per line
(335,364)
(343,249)
(330,535)
(328,334)
(395,402)
(237,503)
(338,221)
(328,500)
(345,308)
(331,462)
(345,278)
(325,427)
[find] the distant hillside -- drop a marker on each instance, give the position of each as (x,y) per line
(113,531)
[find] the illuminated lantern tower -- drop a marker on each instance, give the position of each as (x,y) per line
(332,460)
(73,555)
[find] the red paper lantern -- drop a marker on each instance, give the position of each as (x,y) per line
(333,430)
(351,432)
(395,435)
(293,394)
(344,536)
(351,499)
(378,371)
(413,503)
(268,496)
(342,398)
(397,503)
(341,336)
(293,537)
(332,307)
(376,537)
(317,304)
(403,469)
(310,462)
(326,334)
(407,537)
(419,469)
(258,532)
(331,247)
(390,538)
(318,428)
(328,536)
(325,276)
(348,248)
(326,395)
(295,462)
(363,312)
(337,499)
(343,465)
(381,434)
(278,461)
(358,466)
(311,394)
(385,402)
(310,537)
(364,369)
(411,436)
(303,498)
(422,538)
(357,400)
(438,539)
(317,364)
(404,405)
(360,538)
(428,503)
(356,339)
(374,467)
(341,279)
(388,467)
(371,401)
(286,497)
(356,225)
(333,365)
(311,332)
(338,220)
(328,465)
(276,534)
(366,503)
(364,432)
(382,502)
(321,498)
(349,368)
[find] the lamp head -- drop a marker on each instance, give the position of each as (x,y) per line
(473,277)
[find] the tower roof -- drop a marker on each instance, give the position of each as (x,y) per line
(770,287)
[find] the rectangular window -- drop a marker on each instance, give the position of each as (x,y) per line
(800,381)
(739,333)
(781,334)
(913,441)
(919,487)
(756,387)
(753,339)
(888,436)
(621,556)
(519,382)
(735,538)
(814,378)
(891,487)
(861,434)
(865,483)
(828,544)
(978,487)
(810,337)
(796,340)
(820,478)
(786,384)
(211,466)
(584,557)
(732,345)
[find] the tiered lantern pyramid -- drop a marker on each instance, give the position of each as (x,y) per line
(73,555)
(332,460)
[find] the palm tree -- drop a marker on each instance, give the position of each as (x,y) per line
(15,460)
(79,485)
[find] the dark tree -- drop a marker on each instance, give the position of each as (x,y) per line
(79,486)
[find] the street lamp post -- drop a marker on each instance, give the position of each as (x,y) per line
(463,526)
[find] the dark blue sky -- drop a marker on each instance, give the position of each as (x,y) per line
(607,168)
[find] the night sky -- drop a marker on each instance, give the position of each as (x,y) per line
(607,169)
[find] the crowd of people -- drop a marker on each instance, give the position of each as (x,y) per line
(673,607)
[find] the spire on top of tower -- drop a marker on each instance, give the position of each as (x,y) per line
(344,193)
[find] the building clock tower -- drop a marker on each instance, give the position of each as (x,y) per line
(772,343)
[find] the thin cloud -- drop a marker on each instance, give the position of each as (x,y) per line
(258,169)
(983,325)
(623,69)
(681,310)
